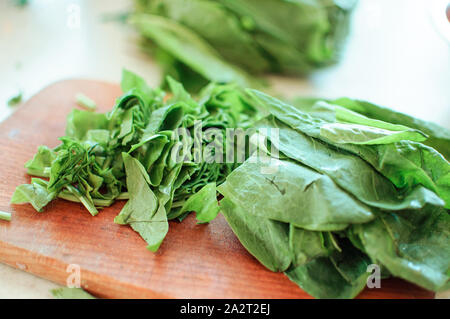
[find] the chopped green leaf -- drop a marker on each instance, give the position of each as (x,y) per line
(86,102)
(204,203)
(71,293)
(36,193)
(15,100)
(5,216)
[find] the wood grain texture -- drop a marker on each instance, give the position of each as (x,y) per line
(194,261)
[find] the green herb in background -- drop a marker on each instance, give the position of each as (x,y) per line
(197,41)
(345,191)
(21,3)
(15,100)
(5,216)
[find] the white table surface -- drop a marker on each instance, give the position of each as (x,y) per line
(397,55)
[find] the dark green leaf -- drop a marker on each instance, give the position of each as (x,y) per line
(265,239)
(143,211)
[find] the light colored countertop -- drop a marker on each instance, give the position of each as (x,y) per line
(397,55)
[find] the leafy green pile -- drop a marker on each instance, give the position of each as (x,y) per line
(337,191)
(325,190)
(233,40)
(128,153)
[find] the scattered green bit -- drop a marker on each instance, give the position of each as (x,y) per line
(5,216)
(237,40)
(37,194)
(71,293)
(15,100)
(87,103)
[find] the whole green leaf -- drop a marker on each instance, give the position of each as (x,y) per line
(367,185)
(348,116)
(361,134)
(265,239)
(412,245)
(408,164)
(439,136)
(405,163)
(292,194)
(343,275)
(310,126)
(307,245)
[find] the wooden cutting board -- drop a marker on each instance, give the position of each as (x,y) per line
(194,261)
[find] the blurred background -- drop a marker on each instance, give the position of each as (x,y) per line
(397,55)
